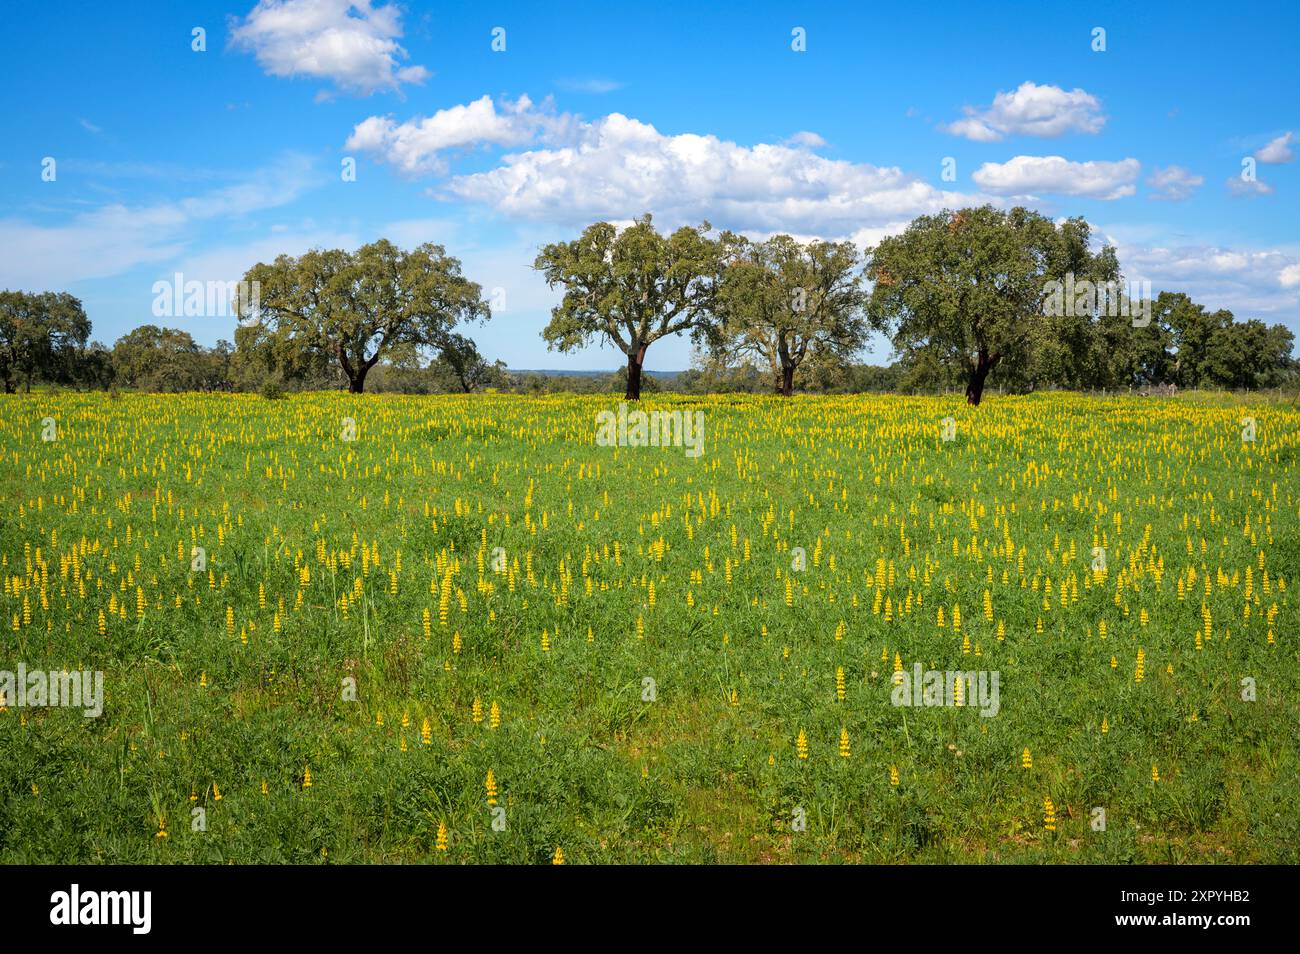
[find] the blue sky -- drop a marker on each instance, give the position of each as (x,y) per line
(168,159)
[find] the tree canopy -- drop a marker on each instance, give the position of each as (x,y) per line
(630,288)
(967,288)
(41,335)
(783,301)
(354,306)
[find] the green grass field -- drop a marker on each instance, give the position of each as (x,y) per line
(629,640)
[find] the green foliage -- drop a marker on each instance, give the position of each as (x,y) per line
(782,302)
(966,289)
(862,483)
(353,307)
(271,389)
(41,336)
(150,358)
(633,287)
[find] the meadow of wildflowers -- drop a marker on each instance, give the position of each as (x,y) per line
(339,628)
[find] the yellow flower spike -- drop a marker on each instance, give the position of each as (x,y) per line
(558,857)
(441,843)
(893,775)
(844,744)
(1049,815)
(801,745)
(306,777)
(490,784)
(426,732)
(1026,760)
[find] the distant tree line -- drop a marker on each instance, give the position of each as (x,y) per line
(966,299)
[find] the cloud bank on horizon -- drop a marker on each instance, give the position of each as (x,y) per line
(310,122)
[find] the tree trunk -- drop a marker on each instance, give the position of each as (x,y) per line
(356,375)
(634,361)
(979,372)
(787,380)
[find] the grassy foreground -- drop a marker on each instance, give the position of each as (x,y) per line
(630,650)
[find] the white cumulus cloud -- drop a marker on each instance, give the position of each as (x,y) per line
(1248,188)
(1251,283)
(1173,183)
(806,139)
(617,167)
(416,147)
(1030,110)
(1036,175)
(1277,151)
(352,43)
